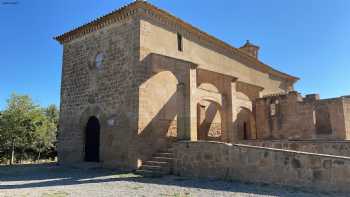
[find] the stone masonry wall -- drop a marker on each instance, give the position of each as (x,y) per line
(336,120)
(263,165)
(347,115)
(163,86)
(159,36)
(290,116)
(107,93)
(337,148)
(284,117)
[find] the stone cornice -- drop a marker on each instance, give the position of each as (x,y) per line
(152,11)
(230,77)
(113,17)
(259,88)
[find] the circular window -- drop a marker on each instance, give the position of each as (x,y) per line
(99,61)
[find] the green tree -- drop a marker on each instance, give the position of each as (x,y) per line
(17,127)
(2,140)
(52,113)
(45,135)
(24,126)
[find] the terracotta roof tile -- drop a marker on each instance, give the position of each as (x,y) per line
(129,9)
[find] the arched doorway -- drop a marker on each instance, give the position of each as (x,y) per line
(92,140)
(246,125)
(209,121)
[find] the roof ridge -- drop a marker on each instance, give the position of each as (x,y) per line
(240,52)
(60,38)
(134,5)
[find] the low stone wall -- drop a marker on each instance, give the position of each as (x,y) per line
(265,165)
(338,148)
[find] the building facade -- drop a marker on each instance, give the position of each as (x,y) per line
(139,78)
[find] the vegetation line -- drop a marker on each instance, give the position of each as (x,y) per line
(27,131)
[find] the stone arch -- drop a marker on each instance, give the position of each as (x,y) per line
(209,120)
(165,64)
(97,112)
(246,124)
(209,87)
(216,100)
(159,101)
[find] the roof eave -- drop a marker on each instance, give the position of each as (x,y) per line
(97,23)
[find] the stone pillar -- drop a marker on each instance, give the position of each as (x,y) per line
(225,112)
(228,110)
(181,115)
(192,105)
(187,107)
(233,133)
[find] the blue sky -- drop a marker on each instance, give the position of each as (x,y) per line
(306,38)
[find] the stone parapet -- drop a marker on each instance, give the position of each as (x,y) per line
(338,147)
(262,165)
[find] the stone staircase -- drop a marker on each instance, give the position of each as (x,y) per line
(159,165)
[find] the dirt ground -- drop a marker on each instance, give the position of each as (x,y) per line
(51,180)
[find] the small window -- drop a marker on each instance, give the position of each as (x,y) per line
(99,61)
(179,42)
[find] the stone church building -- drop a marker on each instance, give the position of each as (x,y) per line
(139,79)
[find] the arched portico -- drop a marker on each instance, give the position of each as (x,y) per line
(193,86)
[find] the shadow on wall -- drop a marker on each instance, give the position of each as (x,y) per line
(156,109)
(145,122)
(209,121)
(163,100)
(146,119)
(159,101)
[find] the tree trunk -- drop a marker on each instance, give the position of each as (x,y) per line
(22,156)
(38,159)
(12,152)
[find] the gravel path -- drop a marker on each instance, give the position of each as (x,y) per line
(49,180)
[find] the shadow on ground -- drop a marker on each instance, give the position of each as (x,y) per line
(50,175)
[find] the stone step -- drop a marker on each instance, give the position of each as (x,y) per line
(157,163)
(150,173)
(167,150)
(162,159)
(164,154)
(155,168)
